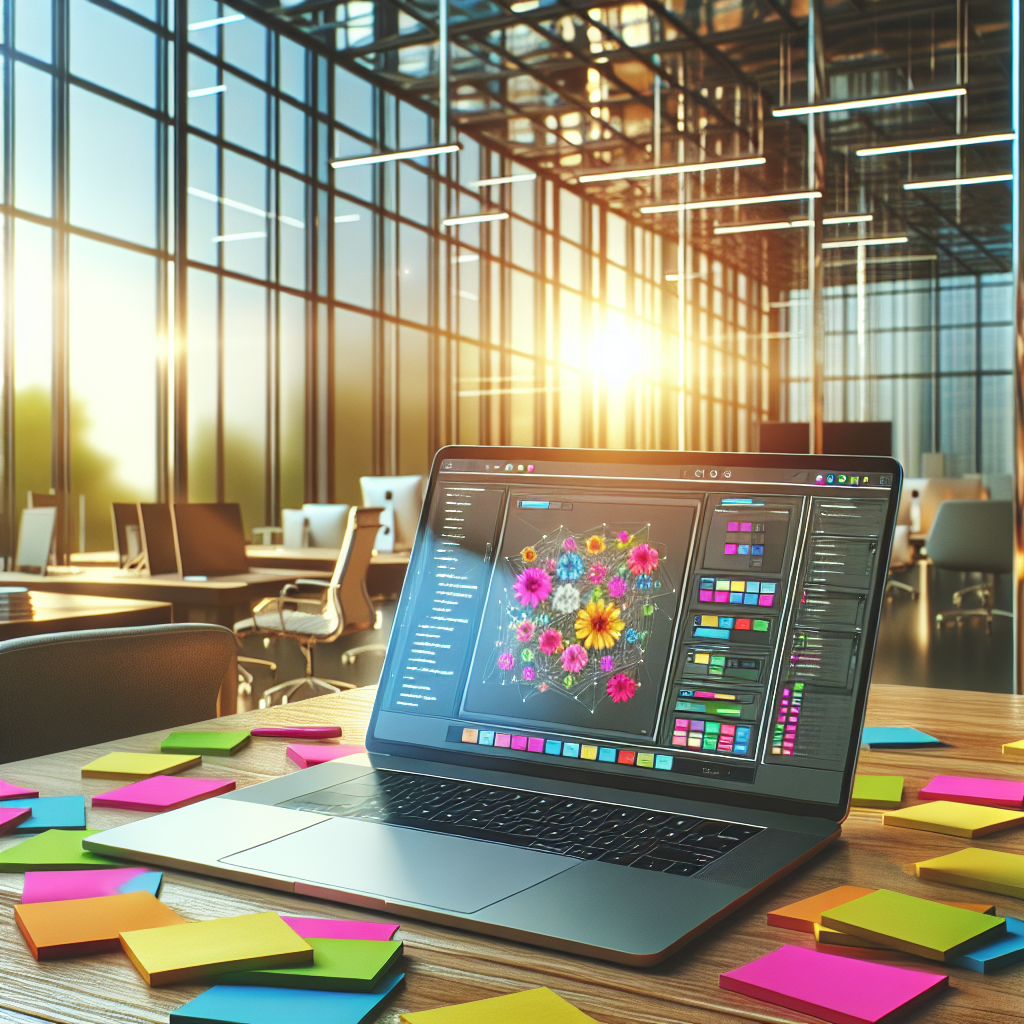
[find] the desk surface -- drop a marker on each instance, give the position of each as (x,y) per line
(54,613)
(446,966)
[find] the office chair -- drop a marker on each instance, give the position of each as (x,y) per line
(66,690)
(319,611)
(901,559)
(973,536)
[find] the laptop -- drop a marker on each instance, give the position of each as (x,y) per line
(623,694)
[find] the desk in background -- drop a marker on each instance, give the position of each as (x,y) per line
(57,613)
(384,577)
(448,966)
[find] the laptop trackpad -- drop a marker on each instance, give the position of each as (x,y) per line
(403,865)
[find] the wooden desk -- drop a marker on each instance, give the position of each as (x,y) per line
(55,613)
(447,966)
(383,578)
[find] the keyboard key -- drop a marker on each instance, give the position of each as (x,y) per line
(739,831)
(619,858)
(683,869)
(651,864)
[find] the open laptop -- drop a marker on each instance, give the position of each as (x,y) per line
(623,694)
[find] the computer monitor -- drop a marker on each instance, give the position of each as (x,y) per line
(157,538)
(210,539)
(326,525)
(127,532)
(35,539)
(858,438)
(785,438)
(403,495)
(294,528)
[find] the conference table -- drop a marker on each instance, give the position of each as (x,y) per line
(55,613)
(384,576)
(444,965)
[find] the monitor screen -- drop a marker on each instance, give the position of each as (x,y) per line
(158,538)
(210,539)
(401,497)
(687,622)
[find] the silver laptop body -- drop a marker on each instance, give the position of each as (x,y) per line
(623,694)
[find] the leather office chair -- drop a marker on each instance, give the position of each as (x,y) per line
(973,536)
(320,611)
(64,690)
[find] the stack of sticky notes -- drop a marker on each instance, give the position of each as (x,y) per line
(54,849)
(896,738)
(77,927)
(51,886)
(216,744)
(12,817)
(987,792)
(1013,750)
(163,793)
(998,953)
(833,988)
(119,765)
(968,821)
(885,791)
(534,1006)
(305,755)
(989,870)
(332,928)
(46,812)
(8,791)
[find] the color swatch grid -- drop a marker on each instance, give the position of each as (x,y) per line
(744,538)
(784,734)
(721,737)
(725,705)
(560,748)
(720,627)
(749,592)
(707,663)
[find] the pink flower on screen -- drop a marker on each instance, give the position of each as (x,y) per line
(596,574)
(643,560)
(623,537)
(506,661)
(528,674)
(574,658)
(532,586)
(569,544)
(552,565)
(620,688)
(607,663)
(617,586)
(550,641)
(524,631)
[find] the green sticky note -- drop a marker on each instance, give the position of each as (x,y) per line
(884,791)
(55,850)
(339,965)
(928,929)
(216,744)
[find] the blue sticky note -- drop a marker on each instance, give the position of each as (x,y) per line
(52,812)
(893,737)
(258,1004)
(1007,949)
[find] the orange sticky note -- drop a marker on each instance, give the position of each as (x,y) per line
(805,914)
(76,927)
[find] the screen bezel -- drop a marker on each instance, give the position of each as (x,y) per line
(682,787)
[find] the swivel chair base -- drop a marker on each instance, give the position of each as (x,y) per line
(985,591)
(292,686)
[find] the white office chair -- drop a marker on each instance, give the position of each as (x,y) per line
(901,559)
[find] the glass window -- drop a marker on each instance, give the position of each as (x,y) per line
(413,273)
(353,402)
(353,256)
(113,52)
(33,146)
(413,424)
(245,46)
(203,385)
(33,28)
(291,70)
(353,102)
(245,114)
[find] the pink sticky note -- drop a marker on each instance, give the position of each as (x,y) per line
(839,989)
(300,732)
(163,793)
(990,792)
(8,791)
(328,928)
(52,886)
(12,817)
(305,755)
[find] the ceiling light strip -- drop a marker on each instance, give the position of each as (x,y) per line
(876,101)
(404,154)
(776,225)
(508,179)
(982,179)
(476,218)
(654,172)
(914,147)
(853,243)
(849,218)
(711,204)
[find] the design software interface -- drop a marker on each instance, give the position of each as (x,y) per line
(634,619)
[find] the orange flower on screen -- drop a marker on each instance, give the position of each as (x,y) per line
(599,625)
(595,545)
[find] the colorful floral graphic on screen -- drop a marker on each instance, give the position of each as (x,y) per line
(579,609)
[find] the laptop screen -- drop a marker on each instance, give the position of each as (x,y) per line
(652,616)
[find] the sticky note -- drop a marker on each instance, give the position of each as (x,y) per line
(305,755)
(78,927)
(339,965)
(952,819)
(829,936)
(914,925)
(805,914)
(1014,751)
(8,791)
(55,848)
(66,812)
(50,886)
(989,870)
(891,737)
(835,988)
(253,1004)
(877,791)
(330,928)
(121,765)
(11,817)
(217,744)
(1000,953)
(163,793)
(990,792)
(534,1006)
(204,949)
(299,732)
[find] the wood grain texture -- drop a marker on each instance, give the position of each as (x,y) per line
(447,966)
(55,613)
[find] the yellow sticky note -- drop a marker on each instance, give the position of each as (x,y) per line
(831,937)
(121,765)
(968,821)
(1014,751)
(204,949)
(534,1006)
(975,868)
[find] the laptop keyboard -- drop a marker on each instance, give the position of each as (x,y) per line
(591,830)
